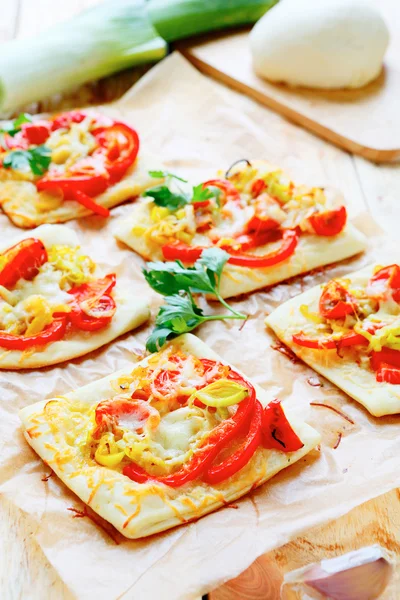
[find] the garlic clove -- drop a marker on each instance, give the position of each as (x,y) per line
(360,575)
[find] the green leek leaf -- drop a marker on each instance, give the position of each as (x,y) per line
(178,19)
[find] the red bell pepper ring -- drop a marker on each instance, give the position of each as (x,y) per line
(218,438)
(330,222)
(52,333)
(277,433)
(388,277)
(329,343)
(336,302)
(93,308)
(240,458)
(387,373)
(119,145)
(22,261)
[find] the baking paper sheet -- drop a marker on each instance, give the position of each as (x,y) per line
(189,122)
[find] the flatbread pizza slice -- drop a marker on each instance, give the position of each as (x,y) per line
(272,228)
(349,331)
(56,303)
(72,165)
(171,439)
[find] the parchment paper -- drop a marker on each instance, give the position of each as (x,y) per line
(188,121)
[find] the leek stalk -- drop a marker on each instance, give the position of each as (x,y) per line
(99,41)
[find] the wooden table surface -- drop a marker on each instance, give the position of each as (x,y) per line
(24,571)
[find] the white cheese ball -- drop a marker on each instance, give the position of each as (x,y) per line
(320,43)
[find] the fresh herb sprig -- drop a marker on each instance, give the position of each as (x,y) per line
(176,198)
(180,313)
(36,159)
(13,127)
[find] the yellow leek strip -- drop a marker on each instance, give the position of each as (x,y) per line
(311,316)
(42,314)
(108,452)
(220,394)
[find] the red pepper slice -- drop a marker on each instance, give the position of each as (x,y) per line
(387,373)
(93,307)
(335,301)
(239,459)
(23,261)
(253,240)
(89,203)
(386,355)
(277,433)
(36,132)
(286,249)
(65,119)
(53,332)
(189,254)
(181,251)
(349,339)
(219,437)
(330,222)
(262,221)
(119,144)
(226,186)
(257,187)
(88,176)
(390,275)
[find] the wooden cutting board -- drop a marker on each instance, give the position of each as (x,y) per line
(364,122)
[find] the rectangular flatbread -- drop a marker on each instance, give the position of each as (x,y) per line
(73,149)
(145,231)
(57,430)
(348,367)
(24,306)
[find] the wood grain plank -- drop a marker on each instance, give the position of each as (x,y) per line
(363,121)
(375,522)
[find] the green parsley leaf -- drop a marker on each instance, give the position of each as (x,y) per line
(180,313)
(13,127)
(168,278)
(201,194)
(37,160)
(162,196)
(165,174)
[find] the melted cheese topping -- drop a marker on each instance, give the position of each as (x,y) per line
(160,446)
(71,145)
(29,307)
(288,204)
